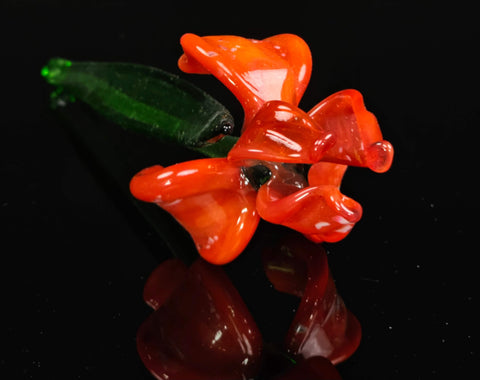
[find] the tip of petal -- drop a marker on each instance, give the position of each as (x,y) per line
(380,156)
(140,183)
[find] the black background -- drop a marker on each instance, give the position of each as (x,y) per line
(75,258)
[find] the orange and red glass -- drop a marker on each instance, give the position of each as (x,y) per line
(255,71)
(268,77)
(210,198)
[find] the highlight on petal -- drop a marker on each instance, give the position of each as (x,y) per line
(210,198)
(255,71)
(322,325)
(281,132)
(357,135)
(321,212)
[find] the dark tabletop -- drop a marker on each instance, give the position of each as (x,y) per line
(75,255)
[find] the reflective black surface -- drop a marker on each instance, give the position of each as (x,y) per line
(76,252)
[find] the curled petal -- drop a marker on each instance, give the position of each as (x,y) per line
(322,325)
(281,132)
(322,213)
(210,198)
(358,139)
(326,173)
(276,68)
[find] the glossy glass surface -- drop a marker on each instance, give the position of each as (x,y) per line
(200,328)
(339,129)
(144,99)
(417,298)
(278,69)
(281,132)
(255,71)
(357,135)
(210,198)
(315,208)
(268,77)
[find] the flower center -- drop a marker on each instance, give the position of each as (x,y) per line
(257,175)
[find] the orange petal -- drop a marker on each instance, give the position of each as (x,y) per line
(281,132)
(320,212)
(326,173)
(210,198)
(276,68)
(358,139)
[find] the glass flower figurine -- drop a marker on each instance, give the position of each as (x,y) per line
(285,167)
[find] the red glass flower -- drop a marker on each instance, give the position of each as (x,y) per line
(269,78)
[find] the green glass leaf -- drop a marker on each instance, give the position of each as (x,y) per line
(147,100)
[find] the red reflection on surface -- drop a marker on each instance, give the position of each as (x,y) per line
(322,325)
(313,368)
(202,331)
